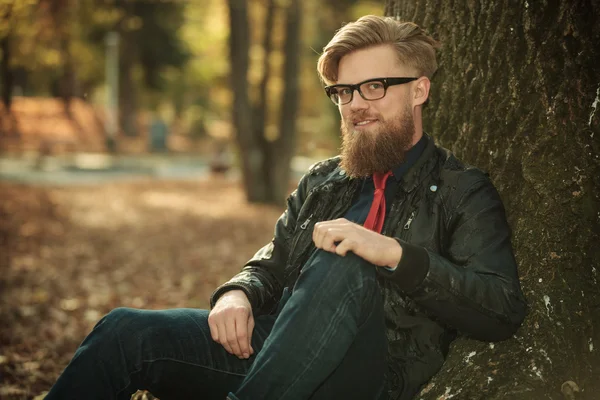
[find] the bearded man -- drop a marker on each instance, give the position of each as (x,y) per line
(383,256)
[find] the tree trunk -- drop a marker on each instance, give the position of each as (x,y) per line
(251,153)
(127,92)
(5,70)
(517,94)
(262,106)
(6,73)
(67,80)
(283,147)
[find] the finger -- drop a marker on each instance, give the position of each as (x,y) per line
(223,337)
(320,228)
(241,327)
(345,246)
(323,230)
(232,337)
(250,331)
(315,233)
(319,232)
(333,236)
(214,329)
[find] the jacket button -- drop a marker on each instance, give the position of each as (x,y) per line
(433,188)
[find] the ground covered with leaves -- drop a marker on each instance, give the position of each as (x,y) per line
(68,255)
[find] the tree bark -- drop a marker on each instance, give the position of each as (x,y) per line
(283,147)
(6,73)
(127,89)
(67,80)
(251,153)
(265,165)
(5,70)
(262,106)
(517,94)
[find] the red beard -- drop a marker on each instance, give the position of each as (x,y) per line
(364,153)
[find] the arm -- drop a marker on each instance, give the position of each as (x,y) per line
(474,286)
(261,279)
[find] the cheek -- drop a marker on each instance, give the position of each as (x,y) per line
(390,109)
(344,112)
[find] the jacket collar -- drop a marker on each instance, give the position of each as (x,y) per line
(421,168)
(410,158)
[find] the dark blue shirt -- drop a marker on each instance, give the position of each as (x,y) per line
(362,202)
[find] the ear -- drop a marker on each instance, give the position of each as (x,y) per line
(421,91)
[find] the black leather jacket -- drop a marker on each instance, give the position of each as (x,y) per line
(457,274)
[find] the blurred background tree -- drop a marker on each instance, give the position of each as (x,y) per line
(175,63)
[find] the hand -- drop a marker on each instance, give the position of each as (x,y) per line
(231,323)
(340,236)
(143,395)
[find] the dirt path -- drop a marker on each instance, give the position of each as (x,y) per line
(70,255)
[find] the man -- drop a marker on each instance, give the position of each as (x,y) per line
(332,308)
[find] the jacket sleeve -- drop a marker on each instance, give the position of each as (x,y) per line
(262,277)
(473,286)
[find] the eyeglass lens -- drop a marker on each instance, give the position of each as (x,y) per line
(372,90)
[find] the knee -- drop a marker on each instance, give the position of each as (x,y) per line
(350,268)
(117,317)
(118,323)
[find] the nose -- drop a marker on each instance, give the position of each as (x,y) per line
(358,103)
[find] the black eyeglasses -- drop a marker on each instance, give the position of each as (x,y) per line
(371,89)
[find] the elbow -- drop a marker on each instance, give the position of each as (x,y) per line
(517,311)
(494,331)
(503,331)
(505,326)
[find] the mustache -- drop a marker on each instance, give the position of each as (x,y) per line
(358,115)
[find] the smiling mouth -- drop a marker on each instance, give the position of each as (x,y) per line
(365,122)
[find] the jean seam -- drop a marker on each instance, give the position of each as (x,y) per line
(177,361)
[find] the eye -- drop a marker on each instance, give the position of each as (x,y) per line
(375,85)
(344,91)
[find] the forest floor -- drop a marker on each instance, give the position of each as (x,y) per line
(68,255)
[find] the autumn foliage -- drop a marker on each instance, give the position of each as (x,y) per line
(68,255)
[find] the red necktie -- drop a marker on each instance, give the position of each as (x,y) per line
(376,215)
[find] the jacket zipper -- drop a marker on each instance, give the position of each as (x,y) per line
(305,223)
(318,211)
(410,220)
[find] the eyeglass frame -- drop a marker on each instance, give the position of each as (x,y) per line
(387,82)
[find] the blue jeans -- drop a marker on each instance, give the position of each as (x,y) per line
(326,341)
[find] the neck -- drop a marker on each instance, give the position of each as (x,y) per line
(417,118)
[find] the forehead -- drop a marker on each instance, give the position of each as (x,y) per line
(372,62)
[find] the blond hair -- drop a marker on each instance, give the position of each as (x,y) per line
(413,46)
